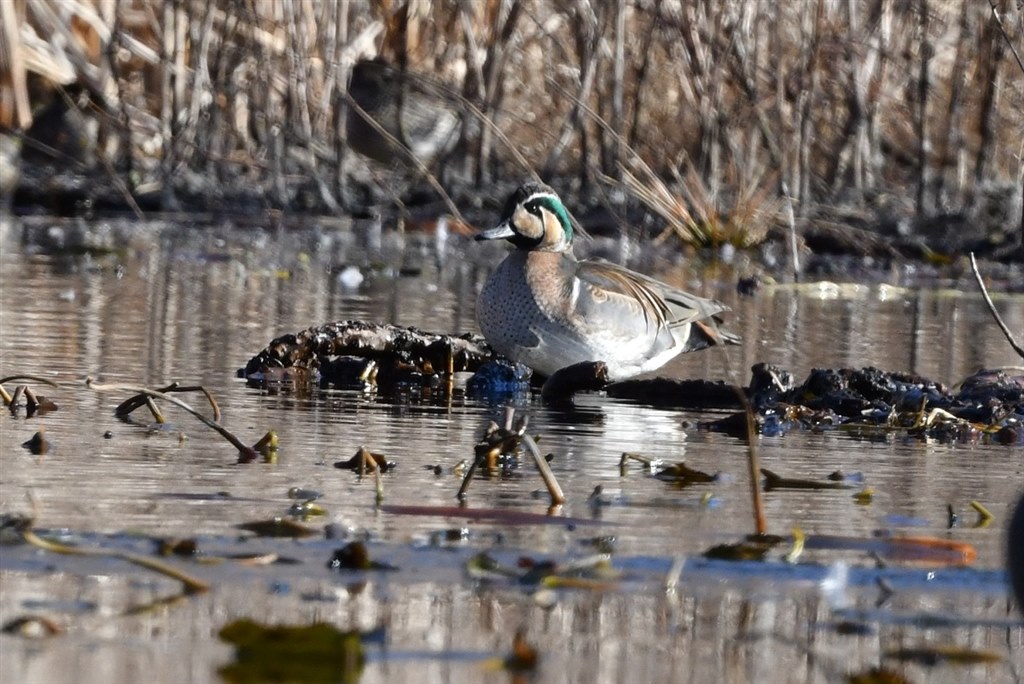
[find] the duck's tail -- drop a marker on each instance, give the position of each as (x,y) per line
(708,333)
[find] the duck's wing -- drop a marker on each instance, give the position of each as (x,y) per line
(659,309)
(664,304)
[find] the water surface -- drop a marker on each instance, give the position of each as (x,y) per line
(172,302)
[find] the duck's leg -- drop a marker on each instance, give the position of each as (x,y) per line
(579,377)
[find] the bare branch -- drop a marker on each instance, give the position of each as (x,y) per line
(992,308)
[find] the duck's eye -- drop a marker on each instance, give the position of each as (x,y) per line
(533,207)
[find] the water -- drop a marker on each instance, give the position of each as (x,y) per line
(193,304)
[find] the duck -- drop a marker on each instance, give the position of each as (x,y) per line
(414,112)
(546,309)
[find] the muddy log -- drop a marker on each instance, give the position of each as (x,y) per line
(326,353)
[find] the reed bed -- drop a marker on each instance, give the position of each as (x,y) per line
(718,116)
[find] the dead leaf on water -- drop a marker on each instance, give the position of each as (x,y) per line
(178,547)
(366,461)
(355,556)
(774,481)
(277,527)
(937,654)
(877,675)
(524,655)
(753,548)
(38,445)
(32,627)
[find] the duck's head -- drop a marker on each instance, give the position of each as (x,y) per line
(534,218)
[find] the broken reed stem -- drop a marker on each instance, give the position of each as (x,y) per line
(379,487)
(137,401)
(29,378)
(158,415)
(461,494)
(754,462)
(192,585)
(672,578)
(1002,30)
(794,253)
(557,497)
(992,309)
(217,427)
(108,168)
(20,389)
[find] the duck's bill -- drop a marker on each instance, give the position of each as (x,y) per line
(502,231)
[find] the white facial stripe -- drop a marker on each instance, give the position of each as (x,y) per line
(537,195)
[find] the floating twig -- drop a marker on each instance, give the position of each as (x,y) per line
(776,481)
(266,444)
(30,378)
(191,584)
(126,407)
(32,402)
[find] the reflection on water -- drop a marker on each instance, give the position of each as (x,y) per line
(181,303)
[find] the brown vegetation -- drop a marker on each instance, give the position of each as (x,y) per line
(711,112)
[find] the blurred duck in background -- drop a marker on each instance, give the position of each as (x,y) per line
(399,115)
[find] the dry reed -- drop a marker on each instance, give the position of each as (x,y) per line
(842,102)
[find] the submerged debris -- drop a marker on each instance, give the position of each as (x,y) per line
(33,403)
(277,527)
(190,585)
(365,461)
(38,445)
(678,473)
(499,378)
(877,675)
(498,452)
(301,653)
(32,627)
(355,556)
(989,406)
(591,572)
(267,445)
(754,548)
(670,392)
(775,481)
(524,655)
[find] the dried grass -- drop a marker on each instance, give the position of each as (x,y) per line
(702,110)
